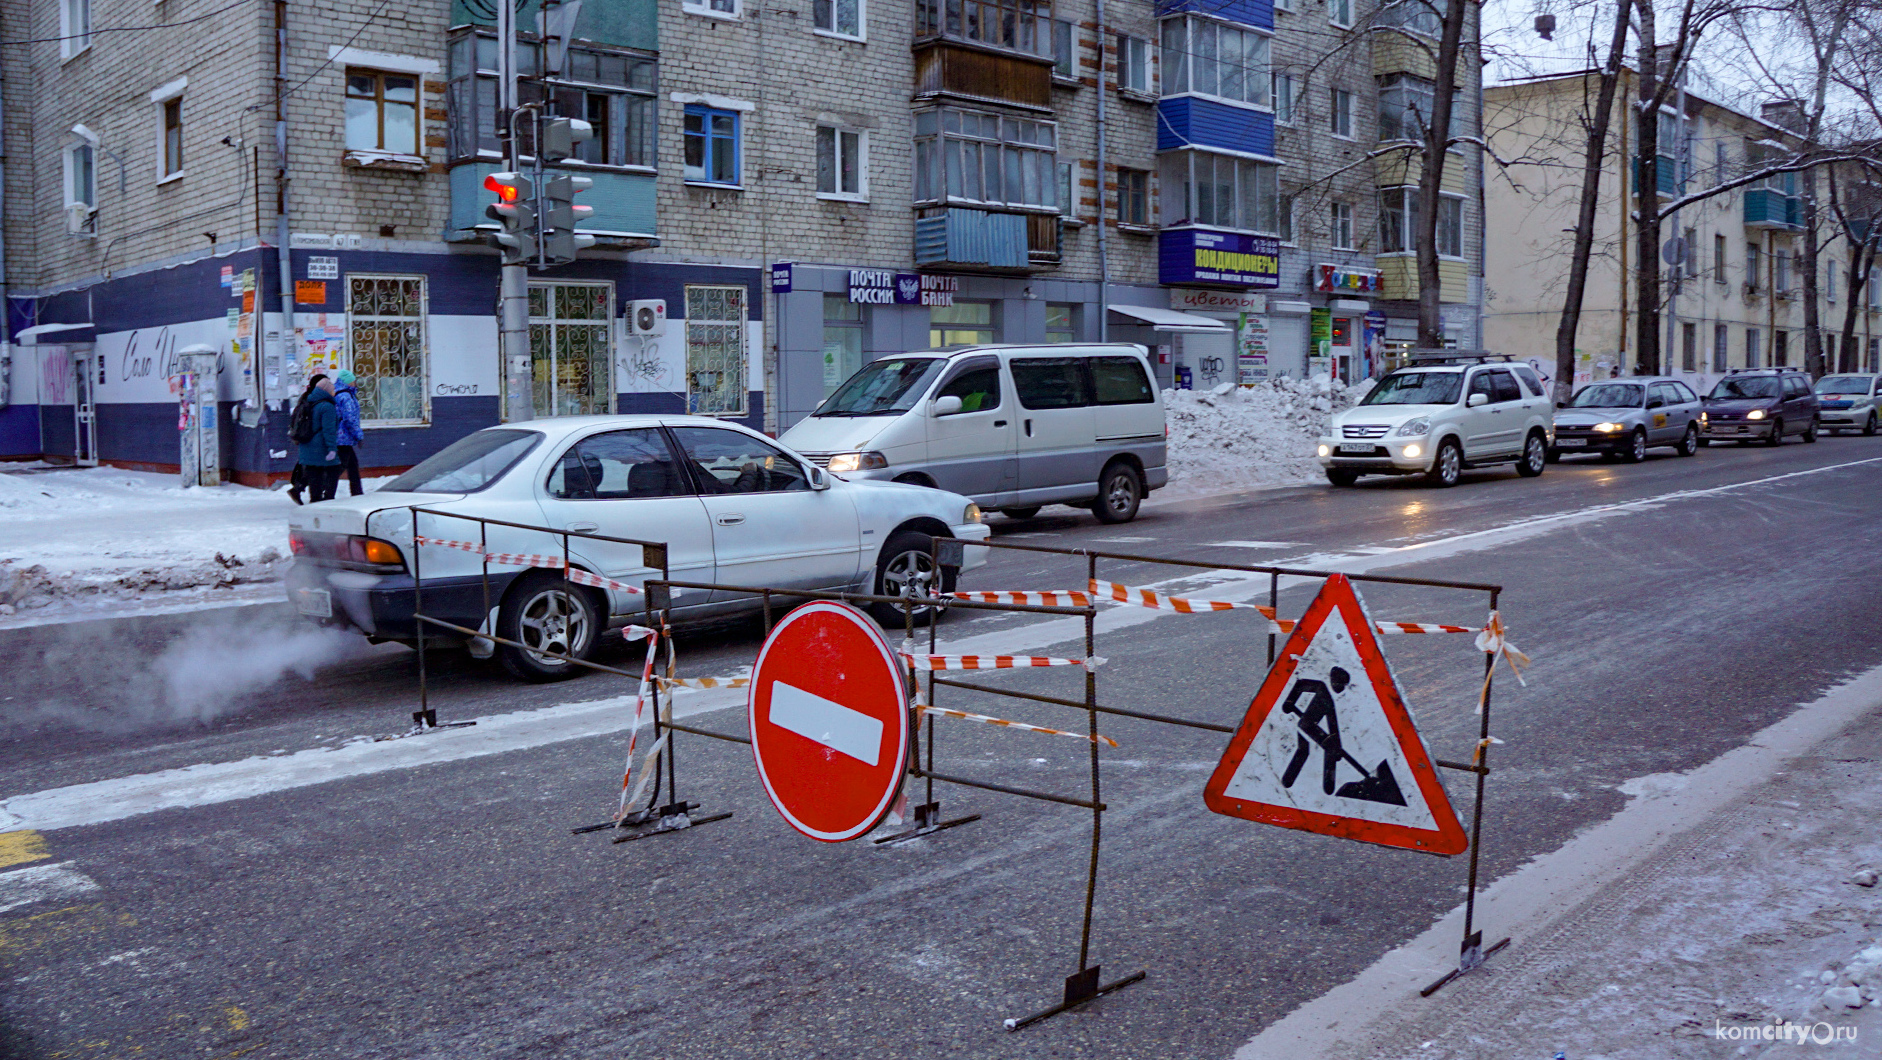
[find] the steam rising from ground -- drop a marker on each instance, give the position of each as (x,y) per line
(208,671)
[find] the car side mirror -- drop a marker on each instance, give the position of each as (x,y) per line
(1475,400)
(819,478)
(1656,403)
(946,405)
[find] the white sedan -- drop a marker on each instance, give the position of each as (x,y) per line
(732,507)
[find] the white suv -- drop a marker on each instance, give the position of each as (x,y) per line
(1438,416)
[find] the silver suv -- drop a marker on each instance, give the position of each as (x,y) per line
(1439,415)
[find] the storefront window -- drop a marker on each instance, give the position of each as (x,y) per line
(961,324)
(842,341)
(1061,322)
(570,349)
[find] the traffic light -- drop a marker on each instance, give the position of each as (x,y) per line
(560,135)
(560,241)
(515,210)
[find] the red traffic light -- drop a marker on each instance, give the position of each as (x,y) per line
(506,191)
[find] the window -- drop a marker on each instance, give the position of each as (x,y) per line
(1342,113)
(1212,59)
(711,140)
(571,349)
(842,341)
(611,90)
(1340,219)
(1068,202)
(1719,339)
(1875,288)
(1450,227)
(1413,16)
(715,350)
(1021,25)
(74,27)
(1875,355)
(1690,266)
(1340,13)
(1780,349)
(1285,219)
(381,112)
(1718,258)
(619,465)
(962,324)
(1120,381)
(1405,104)
(1051,382)
(1133,64)
(469,464)
(81,188)
(843,18)
(1752,338)
(841,159)
(1064,49)
(1281,87)
(1781,269)
(1219,191)
(1532,383)
(385,322)
(1829,280)
(171,162)
(965,155)
(1133,197)
(736,462)
(1061,322)
(1754,272)
(717,8)
(976,383)
(1719,161)
(1689,347)
(1284,5)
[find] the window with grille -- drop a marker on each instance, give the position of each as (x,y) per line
(385,320)
(571,348)
(715,350)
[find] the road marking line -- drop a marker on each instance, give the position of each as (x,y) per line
(218,782)
(845,731)
(18,848)
(1255,544)
(41,883)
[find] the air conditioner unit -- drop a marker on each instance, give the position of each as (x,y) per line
(647,316)
(78,219)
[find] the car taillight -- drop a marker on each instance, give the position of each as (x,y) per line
(297,543)
(381,551)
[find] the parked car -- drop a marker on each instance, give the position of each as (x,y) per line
(1625,417)
(733,508)
(1013,427)
(1439,416)
(1848,402)
(1760,404)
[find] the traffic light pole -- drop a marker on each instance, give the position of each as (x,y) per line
(513,288)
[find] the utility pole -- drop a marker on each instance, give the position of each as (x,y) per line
(513,290)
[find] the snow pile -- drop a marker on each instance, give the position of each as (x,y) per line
(1236,438)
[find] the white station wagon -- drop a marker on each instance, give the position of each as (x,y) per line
(732,506)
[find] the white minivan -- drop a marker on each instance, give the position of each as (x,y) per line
(1012,427)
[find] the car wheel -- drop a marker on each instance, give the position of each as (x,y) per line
(1636,450)
(1020,513)
(1689,443)
(1342,476)
(546,613)
(1868,425)
(1810,432)
(1120,491)
(1535,456)
(1447,465)
(907,560)
(1777,433)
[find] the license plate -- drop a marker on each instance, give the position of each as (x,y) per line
(1570,443)
(1363,448)
(315,602)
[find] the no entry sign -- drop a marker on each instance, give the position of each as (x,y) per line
(829,721)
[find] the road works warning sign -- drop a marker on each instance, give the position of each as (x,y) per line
(1328,745)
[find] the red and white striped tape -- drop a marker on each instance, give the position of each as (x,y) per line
(1004,723)
(524,559)
(1048,598)
(704,682)
(1425,627)
(652,637)
(1150,598)
(993,662)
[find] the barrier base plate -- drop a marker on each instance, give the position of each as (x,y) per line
(927,822)
(1080,987)
(1468,958)
(678,821)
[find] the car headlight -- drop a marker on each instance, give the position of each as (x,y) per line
(842,462)
(1414,450)
(1609,428)
(1702,418)
(1325,449)
(1414,428)
(1755,414)
(970,514)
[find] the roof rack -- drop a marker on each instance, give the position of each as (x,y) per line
(1428,356)
(1773,368)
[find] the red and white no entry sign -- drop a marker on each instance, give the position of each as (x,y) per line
(829,721)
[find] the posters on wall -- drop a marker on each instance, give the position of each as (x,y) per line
(1320,356)
(1251,349)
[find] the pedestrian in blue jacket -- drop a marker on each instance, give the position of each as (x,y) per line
(346,403)
(320,457)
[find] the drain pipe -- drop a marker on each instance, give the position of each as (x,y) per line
(1104,260)
(283,259)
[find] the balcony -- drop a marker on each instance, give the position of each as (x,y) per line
(1768,208)
(1666,176)
(969,70)
(986,240)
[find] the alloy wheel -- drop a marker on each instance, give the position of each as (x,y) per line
(552,622)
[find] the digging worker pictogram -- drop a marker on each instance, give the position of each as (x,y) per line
(1320,727)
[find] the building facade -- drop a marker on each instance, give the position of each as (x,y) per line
(800,187)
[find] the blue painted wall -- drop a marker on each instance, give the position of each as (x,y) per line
(1186,121)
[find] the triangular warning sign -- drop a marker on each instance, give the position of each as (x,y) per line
(1328,745)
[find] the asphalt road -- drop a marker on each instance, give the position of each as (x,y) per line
(1672,609)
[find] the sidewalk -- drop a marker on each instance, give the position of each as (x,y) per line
(1734,938)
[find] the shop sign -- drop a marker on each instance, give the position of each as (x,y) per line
(781,276)
(1192,255)
(1223,301)
(884,287)
(937,290)
(1340,279)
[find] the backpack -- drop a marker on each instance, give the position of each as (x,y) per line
(301,427)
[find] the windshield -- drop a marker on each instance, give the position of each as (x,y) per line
(1843,384)
(1416,387)
(882,388)
(468,464)
(1608,396)
(1759,386)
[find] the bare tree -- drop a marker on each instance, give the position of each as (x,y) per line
(1436,150)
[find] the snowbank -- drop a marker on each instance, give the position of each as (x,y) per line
(1233,438)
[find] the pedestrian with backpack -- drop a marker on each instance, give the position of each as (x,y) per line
(346,402)
(320,456)
(301,429)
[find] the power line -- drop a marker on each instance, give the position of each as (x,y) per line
(87,35)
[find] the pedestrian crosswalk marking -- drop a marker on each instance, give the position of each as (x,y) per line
(39,883)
